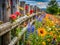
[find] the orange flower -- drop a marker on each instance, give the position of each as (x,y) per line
(47,16)
(25,24)
(51,33)
(55,36)
(41,32)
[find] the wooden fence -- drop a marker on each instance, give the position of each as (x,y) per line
(7,28)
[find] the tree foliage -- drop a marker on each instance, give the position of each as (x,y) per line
(52,7)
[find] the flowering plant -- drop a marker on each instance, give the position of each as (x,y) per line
(31,11)
(46,32)
(17,13)
(13,17)
(26,7)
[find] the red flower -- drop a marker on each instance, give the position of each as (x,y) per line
(13,16)
(31,11)
(26,7)
(11,2)
(17,13)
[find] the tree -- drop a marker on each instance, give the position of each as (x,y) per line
(59,11)
(52,7)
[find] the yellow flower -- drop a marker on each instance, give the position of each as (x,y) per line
(52,23)
(43,43)
(53,31)
(21,8)
(46,19)
(48,40)
(42,32)
(59,35)
(56,29)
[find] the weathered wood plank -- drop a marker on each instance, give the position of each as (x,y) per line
(4,28)
(13,42)
(16,39)
(8,26)
(6,38)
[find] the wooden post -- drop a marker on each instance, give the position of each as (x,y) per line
(5,10)
(17,4)
(11,1)
(34,9)
(0,40)
(2,9)
(6,38)
(38,9)
(27,11)
(1,14)
(31,7)
(22,5)
(13,6)
(8,10)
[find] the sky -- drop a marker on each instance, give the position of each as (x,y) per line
(39,3)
